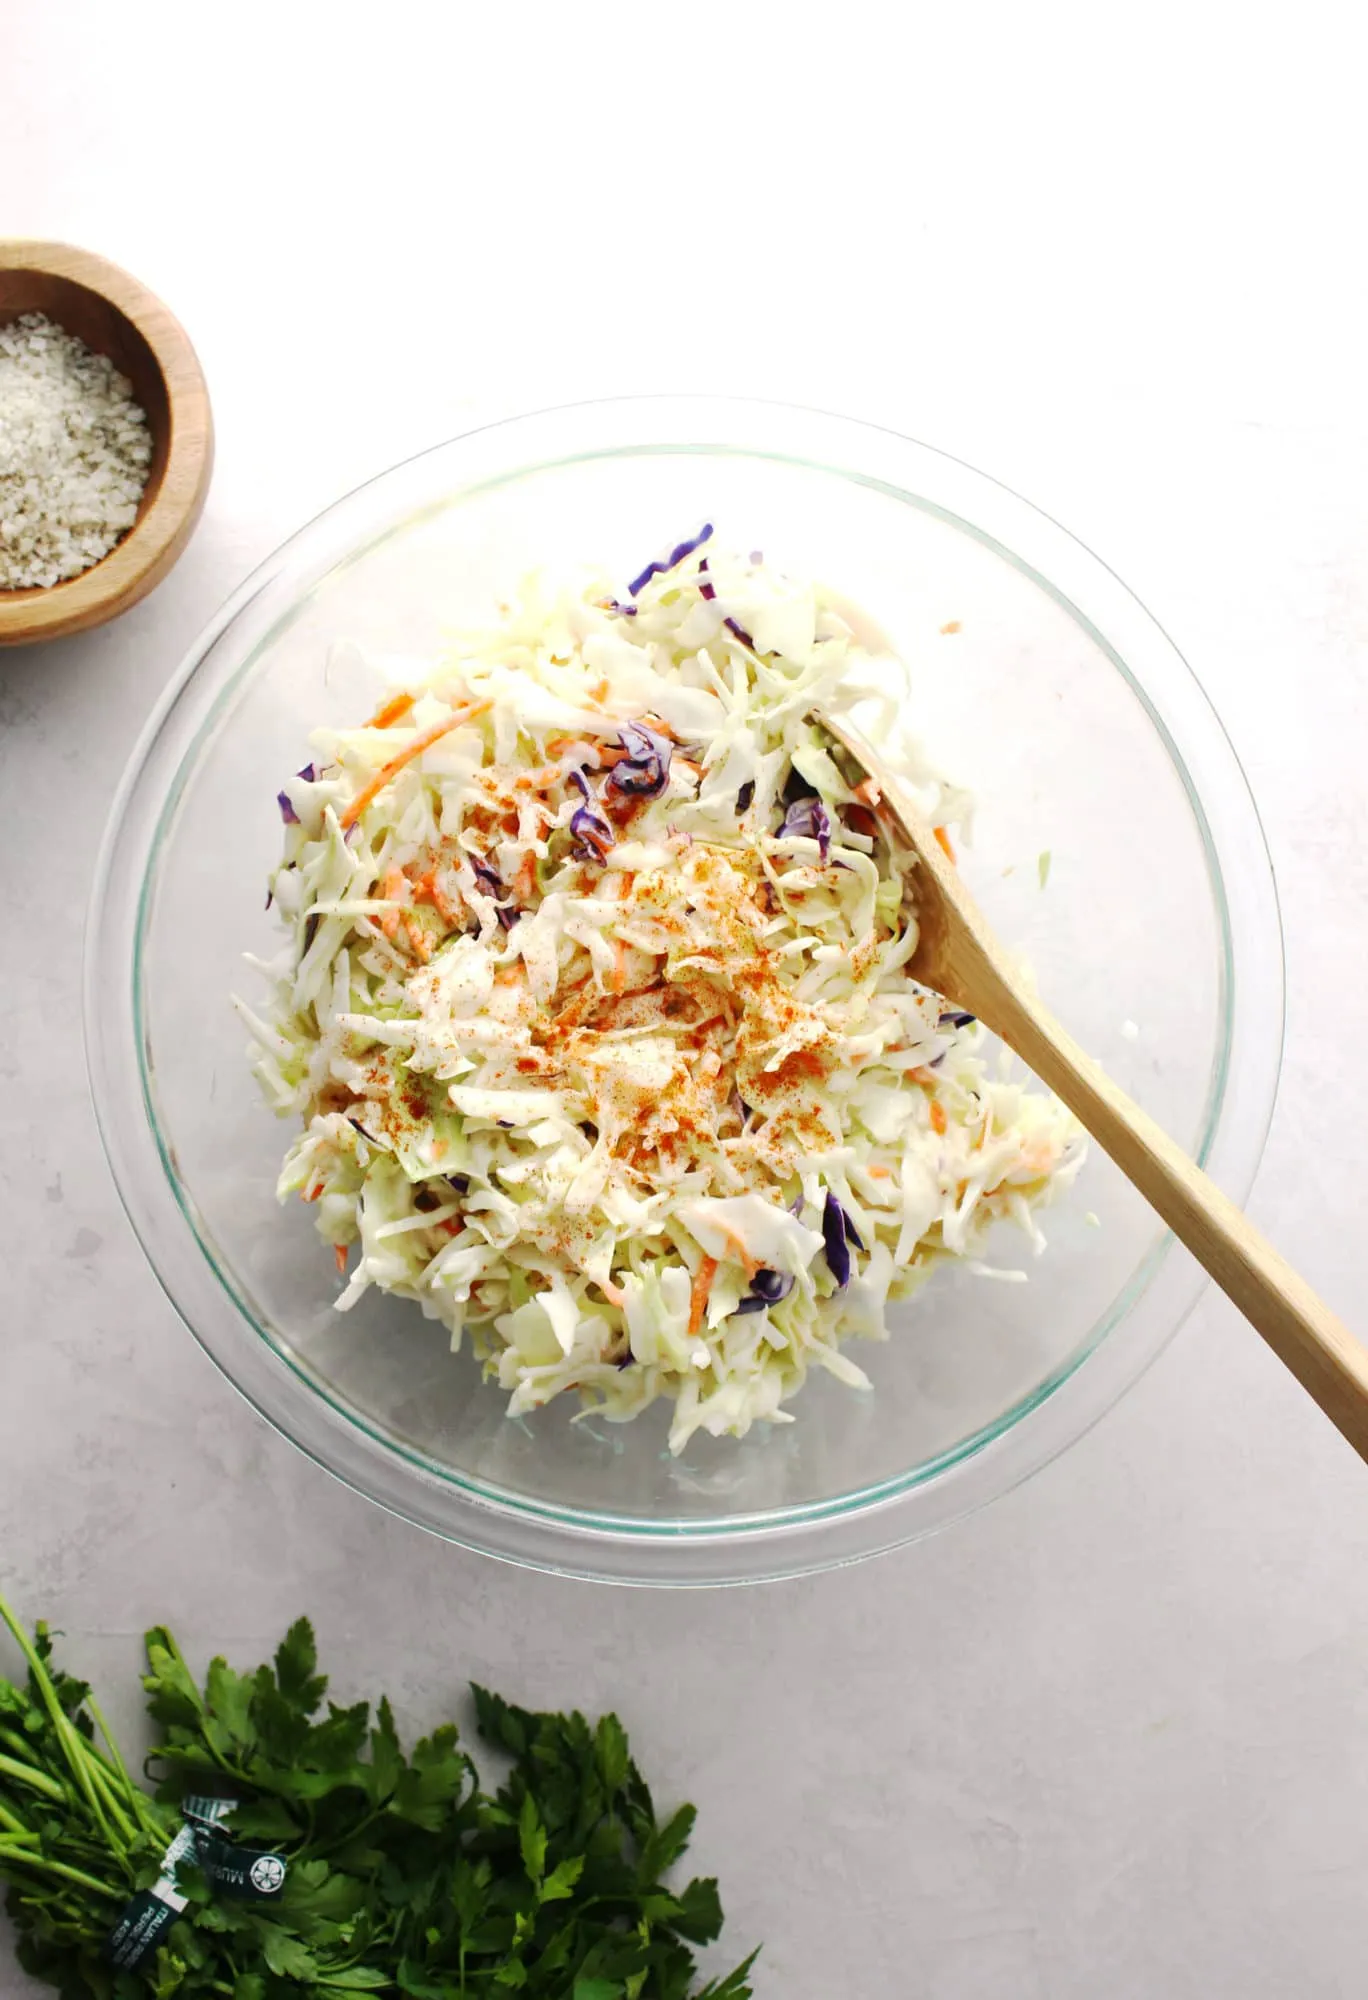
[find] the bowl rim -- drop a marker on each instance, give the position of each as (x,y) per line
(137,563)
(814,1535)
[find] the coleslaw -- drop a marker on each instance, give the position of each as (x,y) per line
(594,1009)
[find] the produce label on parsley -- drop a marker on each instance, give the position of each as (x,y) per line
(140,1930)
(207,1811)
(239,1872)
(152,1912)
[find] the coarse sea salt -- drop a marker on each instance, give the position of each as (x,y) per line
(75,451)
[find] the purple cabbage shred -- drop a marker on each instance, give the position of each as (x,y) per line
(838,1233)
(706,590)
(746,796)
(287,811)
(676,555)
(643,771)
(491,882)
(592,834)
(810,818)
(767,1288)
(957,1018)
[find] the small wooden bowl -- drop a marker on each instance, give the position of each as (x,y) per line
(115,315)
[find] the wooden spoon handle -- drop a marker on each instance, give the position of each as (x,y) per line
(1330,1364)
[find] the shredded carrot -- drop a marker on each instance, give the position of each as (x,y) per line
(937,1115)
(312,1194)
(613,1293)
(739,1251)
(394,889)
(417,936)
(867,792)
(538,780)
(943,842)
(423,741)
(599,692)
(878,1173)
(951,625)
(698,1293)
(527,874)
(619,967)
(427,889)
(340,1254)
(391,711)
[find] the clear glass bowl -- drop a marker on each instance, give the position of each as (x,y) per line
(1058,700)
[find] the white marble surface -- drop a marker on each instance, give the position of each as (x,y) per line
(1111,1737)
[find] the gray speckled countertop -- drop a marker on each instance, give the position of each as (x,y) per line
(1112,1736)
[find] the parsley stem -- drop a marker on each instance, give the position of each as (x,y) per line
(135,1798)
(29,1774)
(100,1778)
(50,1867)
(67,1735)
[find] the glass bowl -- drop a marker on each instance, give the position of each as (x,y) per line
(1040,681)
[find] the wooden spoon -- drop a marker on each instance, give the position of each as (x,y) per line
(958,957)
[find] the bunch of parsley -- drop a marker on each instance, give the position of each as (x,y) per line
(403,1877)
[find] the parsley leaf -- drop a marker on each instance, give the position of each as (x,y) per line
(402,1875)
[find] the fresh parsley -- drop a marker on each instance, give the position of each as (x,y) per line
(403,1877)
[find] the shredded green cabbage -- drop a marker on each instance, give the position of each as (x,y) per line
(594,1010)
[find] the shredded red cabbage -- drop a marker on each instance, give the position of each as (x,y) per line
(767,1288)
(809,817)
(594,838)
(706,590)
(746,796)
(838,1233)
(622,610)
(287,811)
(676,555)
(491,882)
(956,1019)
(644,771)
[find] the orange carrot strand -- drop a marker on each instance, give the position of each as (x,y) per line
(391,711)
(423,741)
(698,1294)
